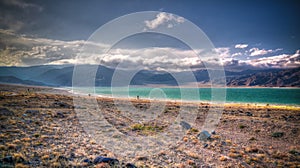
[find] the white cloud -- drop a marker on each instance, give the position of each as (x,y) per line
(223,52)
(236,54)
(278,61)
(164,18)
(156,58)
(25,51)
(258,52)
(241,46)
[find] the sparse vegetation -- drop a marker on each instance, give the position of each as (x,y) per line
(294,152)
(241,126)
(277,134)
(146,128)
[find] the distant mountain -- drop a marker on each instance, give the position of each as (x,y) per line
(15,80)
(62,76)
(268,78)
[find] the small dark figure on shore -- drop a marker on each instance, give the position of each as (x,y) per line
(138,97)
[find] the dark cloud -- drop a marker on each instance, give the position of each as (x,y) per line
(17,14)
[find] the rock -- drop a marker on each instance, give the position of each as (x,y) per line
(87,161)
(61,104)
(60,115)
(79,107)
(294,130)
(8,159)
(203,136)
(32,112)
(141,158)
(6,112)
(205,145)
(110,161)
(266,116)
(35,161)
(130,165)
(185,125)
(62,158)
(249,113)
(223,143)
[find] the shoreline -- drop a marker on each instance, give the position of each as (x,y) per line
(297,106)
(69,91)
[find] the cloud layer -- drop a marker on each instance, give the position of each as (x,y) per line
(19,50)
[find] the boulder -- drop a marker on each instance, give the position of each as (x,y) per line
(185,125)
(203,136)
(110,161)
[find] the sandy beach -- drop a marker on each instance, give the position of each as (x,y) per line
(40,128)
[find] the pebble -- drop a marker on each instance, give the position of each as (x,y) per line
(32,112)
(249,114)
(60,115)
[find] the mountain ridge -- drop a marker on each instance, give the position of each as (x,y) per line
(62,76)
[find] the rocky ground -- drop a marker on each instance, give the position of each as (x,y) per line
(40,128)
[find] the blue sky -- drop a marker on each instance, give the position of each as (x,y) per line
(246,30)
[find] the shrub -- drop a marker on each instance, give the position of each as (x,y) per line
(277,134)
(242,126)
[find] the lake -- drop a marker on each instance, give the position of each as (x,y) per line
(288,96)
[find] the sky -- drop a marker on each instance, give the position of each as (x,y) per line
(246,34)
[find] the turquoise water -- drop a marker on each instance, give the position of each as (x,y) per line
(290,96)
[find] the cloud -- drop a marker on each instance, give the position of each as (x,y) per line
(27,51)
(236,54)
(241,46)
(19,50)
(164,19)
(154,58)
(223,52)
(22,4)
(17,14)
(277,61)
(258,52)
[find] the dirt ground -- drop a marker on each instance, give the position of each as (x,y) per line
(41,128)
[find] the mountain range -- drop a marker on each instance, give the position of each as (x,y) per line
(61,75)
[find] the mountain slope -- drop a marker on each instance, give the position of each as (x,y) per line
(269,78)
(15,80)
